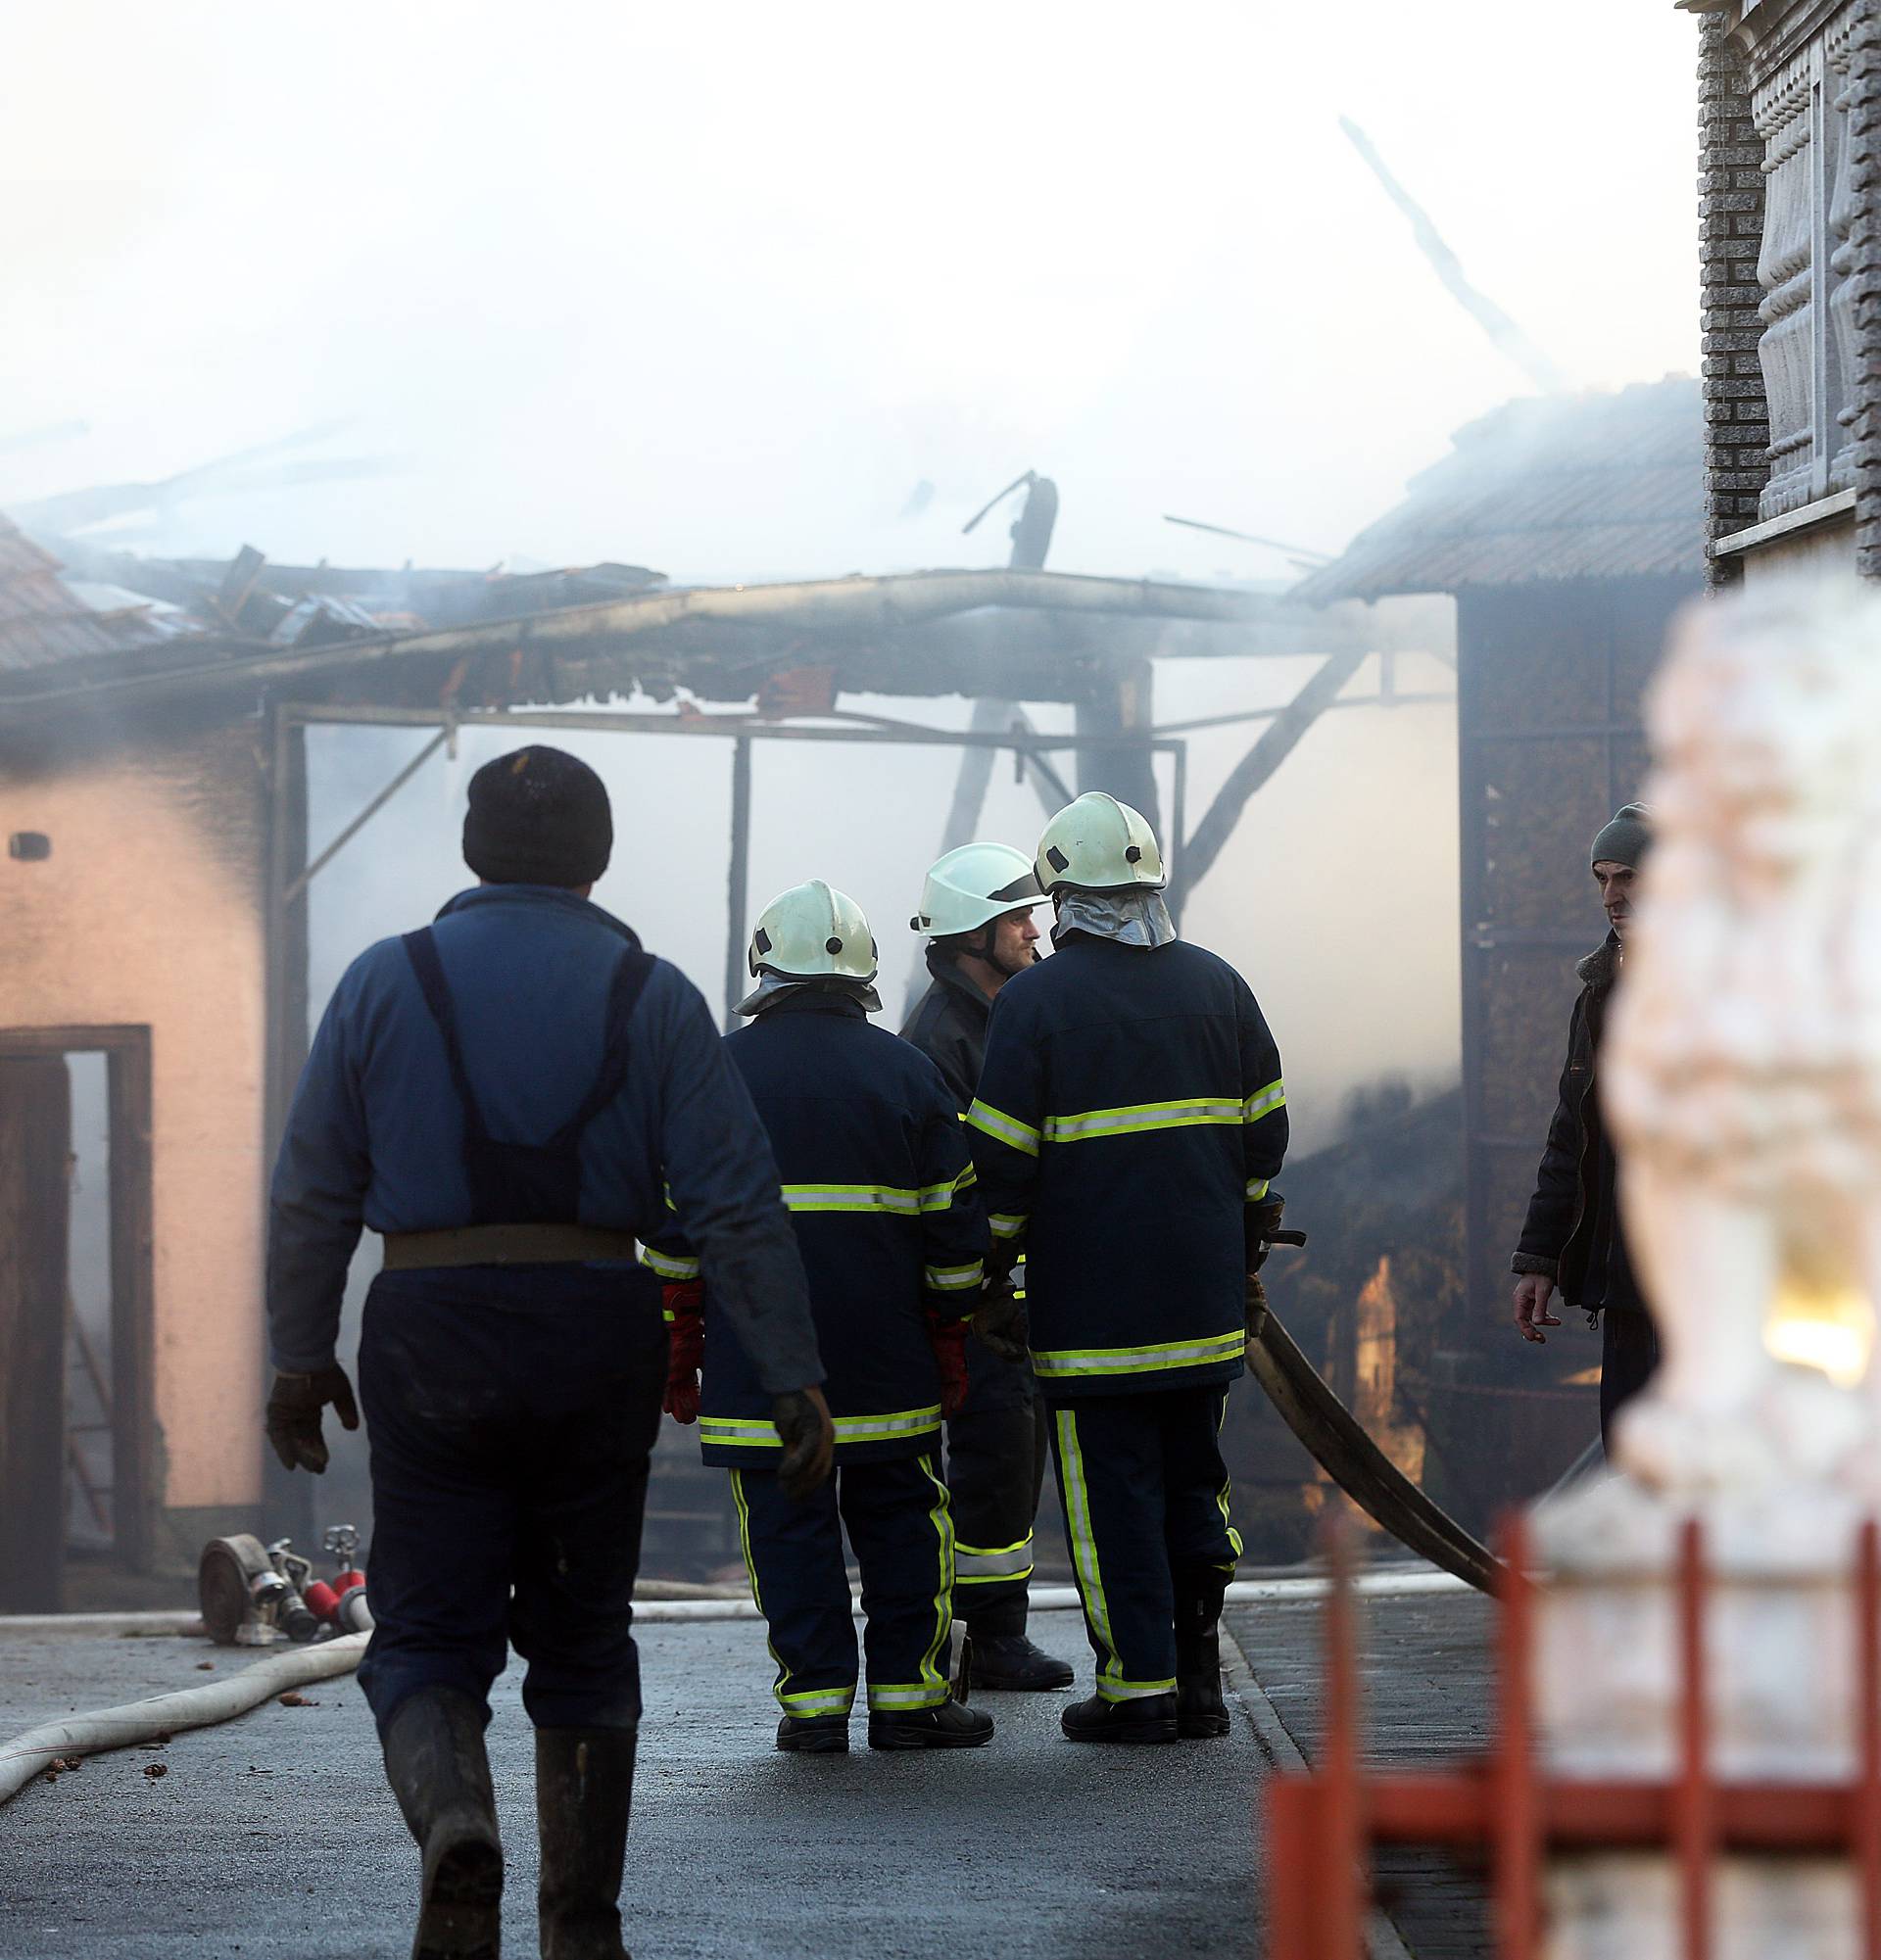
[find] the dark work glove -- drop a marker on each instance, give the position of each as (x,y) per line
(294,1416)
(803,1419)
(1264,1233)
(1001,1323)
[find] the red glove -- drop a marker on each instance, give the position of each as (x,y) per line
(685,1306)
(948,1340)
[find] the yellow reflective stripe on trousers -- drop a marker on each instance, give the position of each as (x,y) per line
(889,1198)
(1003,1129)
(1224,1494)
(1060,1363)
(799,1701)
(1133,1119)
(982,1565)
(669,1264)
(930,1691)
(754,1432)
(1264,1102)
(1111,1683)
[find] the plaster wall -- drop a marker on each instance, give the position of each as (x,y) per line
(148,913)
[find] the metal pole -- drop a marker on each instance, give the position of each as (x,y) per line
(365,817)
(1177,820)
(739,882)
(286,1499)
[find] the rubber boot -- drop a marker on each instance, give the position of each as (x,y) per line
(951,1726)
(1012,1663)
(1144,1718)
(584,1792)
(1200,1711)
(439,1770)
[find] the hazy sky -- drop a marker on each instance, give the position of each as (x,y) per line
(712,288)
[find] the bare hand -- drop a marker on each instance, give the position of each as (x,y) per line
(1534,1291)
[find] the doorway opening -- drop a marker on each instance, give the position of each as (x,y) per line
(77,1427)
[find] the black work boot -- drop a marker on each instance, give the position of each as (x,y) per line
(439,1770)
(1144,1718)
(1200,1711)
(814,1735)
(584,1788)
(951,1726)
(1012,1663)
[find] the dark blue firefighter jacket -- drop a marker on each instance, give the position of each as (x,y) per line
(1129,1109)
(375,1134)
(876,1173)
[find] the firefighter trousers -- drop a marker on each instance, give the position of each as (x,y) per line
(1145,1497)
(996,1471)
(896,1511)
(511,1414)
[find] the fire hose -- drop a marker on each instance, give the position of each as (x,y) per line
(164,1715)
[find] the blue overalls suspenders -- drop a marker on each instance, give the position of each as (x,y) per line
(511,1388)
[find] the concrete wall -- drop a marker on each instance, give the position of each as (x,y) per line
(148,912)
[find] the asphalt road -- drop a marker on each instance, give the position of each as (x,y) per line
(275,1836)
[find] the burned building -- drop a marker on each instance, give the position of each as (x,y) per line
(154,722)
(1568,529)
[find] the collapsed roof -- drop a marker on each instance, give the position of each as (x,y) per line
(1588,486)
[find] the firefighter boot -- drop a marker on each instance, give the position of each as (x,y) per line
(440,1772)
(584,1789)
(814,1735)
(951,1726)
(1144,1718)
(1200,1711)
(1011,1661)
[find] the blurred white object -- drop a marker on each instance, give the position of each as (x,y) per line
(1742,1075)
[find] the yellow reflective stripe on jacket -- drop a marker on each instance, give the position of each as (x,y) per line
(1133,1119)
(1061,1362)
(1256,1189)
(669,1264)
(889,1198)
(753,1432)
(1009,1224)
(1003,1129)
(1264,1102)
(954,1278)
(939,1197)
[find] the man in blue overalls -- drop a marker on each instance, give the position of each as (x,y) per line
(502,1096)
(880,1190)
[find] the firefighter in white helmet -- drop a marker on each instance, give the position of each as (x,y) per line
(1129,1119)
(880,1187)
(975,909)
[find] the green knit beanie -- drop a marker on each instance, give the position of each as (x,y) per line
(1626,840)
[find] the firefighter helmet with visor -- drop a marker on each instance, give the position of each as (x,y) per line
(1099,845)
(813,932)
(974,885)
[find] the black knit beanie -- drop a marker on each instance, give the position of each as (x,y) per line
(538,816)
(1626,838)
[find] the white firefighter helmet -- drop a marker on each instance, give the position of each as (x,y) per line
(1099,845)
(813,932)
(974,885)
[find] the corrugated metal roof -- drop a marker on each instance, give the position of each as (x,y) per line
(1553,487)
(43,621)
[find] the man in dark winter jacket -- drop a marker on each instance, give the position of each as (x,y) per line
(1573,1238)
(507,1096)
(975,908)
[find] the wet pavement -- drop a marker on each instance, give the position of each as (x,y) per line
(275,1836)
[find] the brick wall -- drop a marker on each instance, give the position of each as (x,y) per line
(1730,232)
(1864,387)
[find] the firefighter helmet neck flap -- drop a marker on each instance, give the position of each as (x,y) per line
(1099,845)
(812,935)
(972,885)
